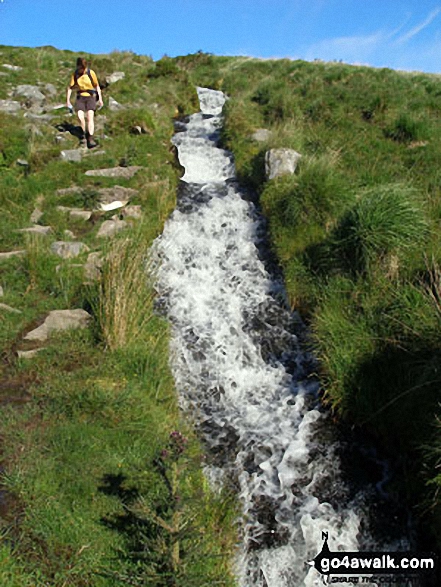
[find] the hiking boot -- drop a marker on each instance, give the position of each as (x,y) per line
(91,143)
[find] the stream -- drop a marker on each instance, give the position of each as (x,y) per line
(241,373)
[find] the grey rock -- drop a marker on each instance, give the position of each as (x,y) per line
(116,76)
(10,106)
(37,229)
(280,162)
(10,254)
(12,67)
(10,309)
(110,227)
(114,105)
(2,293)
(58,320)
(72,155)
(132,212)
(28,354)
(69,234)
(50,90)
(69,191)
(31,93)
(122,172)
(67,249)
(93,266)
(261,135)
(115,194)
(36,215)
(37,116)
(80,214)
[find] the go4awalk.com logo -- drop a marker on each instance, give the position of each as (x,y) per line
(385,568)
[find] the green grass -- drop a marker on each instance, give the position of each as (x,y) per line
(91,498)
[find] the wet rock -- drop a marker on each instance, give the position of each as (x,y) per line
(122,172)
(60,320)
(280,162)
(67,249)
(72,155)
(10,106)
(110,227)
(31,93)
(116,76)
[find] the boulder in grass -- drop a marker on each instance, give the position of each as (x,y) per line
(122,172)
(110,227)
(281,162)
(59,320)
(10,106)
(67,249)
(32,94)
(116,76)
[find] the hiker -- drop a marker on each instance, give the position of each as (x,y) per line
(85,82)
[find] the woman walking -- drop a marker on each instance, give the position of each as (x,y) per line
(85,82)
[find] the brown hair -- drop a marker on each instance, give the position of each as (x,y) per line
(81,65)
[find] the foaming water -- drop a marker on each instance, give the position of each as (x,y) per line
(241,373)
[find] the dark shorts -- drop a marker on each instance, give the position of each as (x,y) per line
(85,103)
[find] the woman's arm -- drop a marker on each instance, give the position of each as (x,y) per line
(68,95)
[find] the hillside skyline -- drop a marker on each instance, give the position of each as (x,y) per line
(400,35)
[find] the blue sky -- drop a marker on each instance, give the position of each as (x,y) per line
(401,34)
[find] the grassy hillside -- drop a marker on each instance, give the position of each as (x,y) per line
(357,233)
(101,479)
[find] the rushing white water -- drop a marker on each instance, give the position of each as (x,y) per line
(230,359)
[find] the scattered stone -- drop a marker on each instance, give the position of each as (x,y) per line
(10,106)
(69,191)
(69,234)
(80,214)
(28,354)
(60,320)
(7,308)
(10,254)
(116,193)
(50,89)
(22,162)
(12,67)
(113,205)
(36,215)
(67,249)
(116,76)
(37,229)
(114,105)
(73,155)
(2,293)
(93,266)
(37,116)
(132,212)
(110,228)
(280,162)
(31,93)
(123,172)
(261,135)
